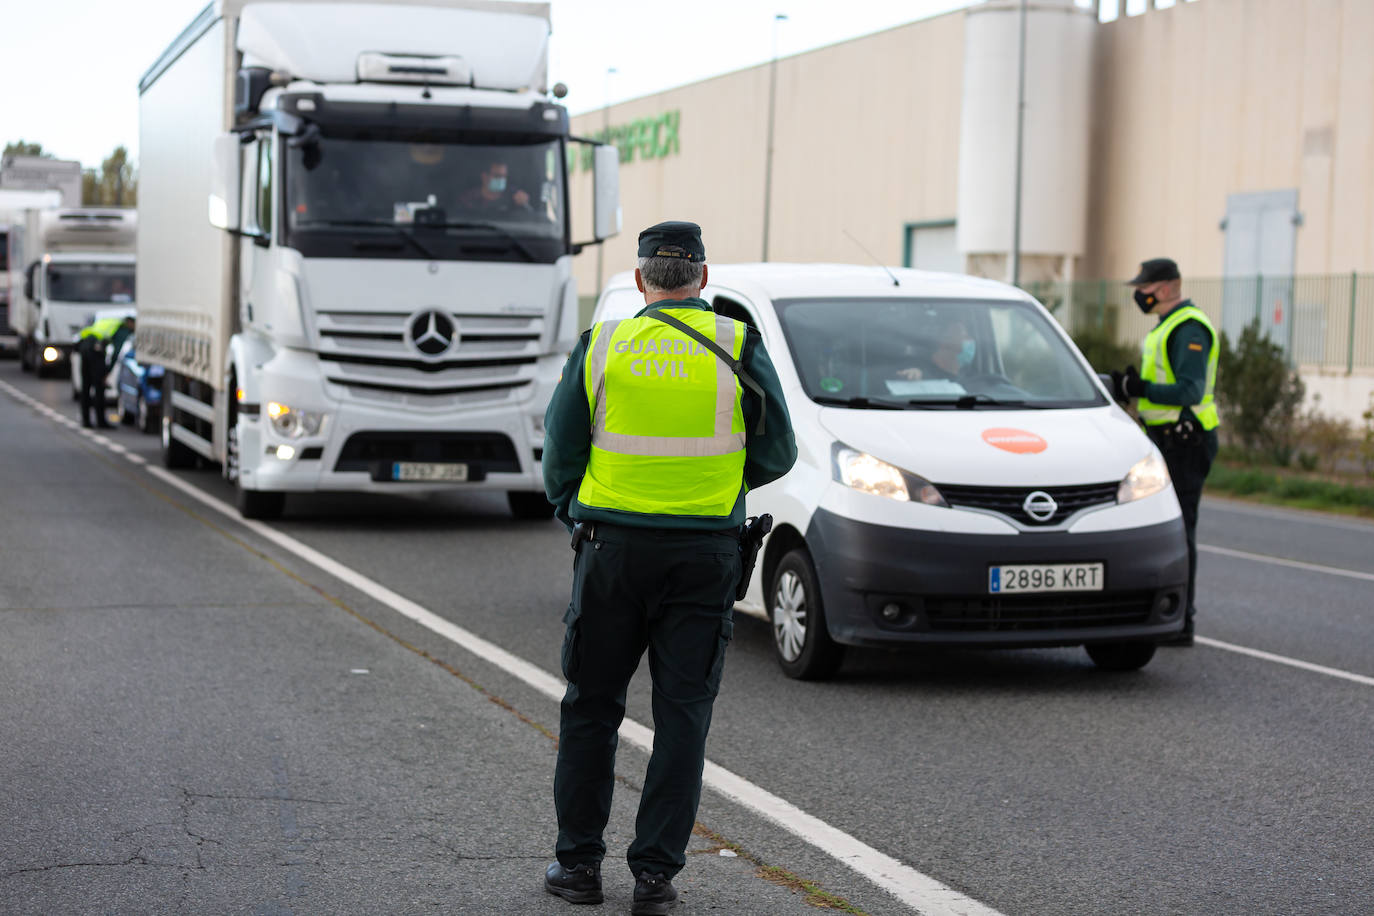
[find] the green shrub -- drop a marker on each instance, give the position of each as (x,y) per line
(1259,395)
(1325,439)
(1103,352)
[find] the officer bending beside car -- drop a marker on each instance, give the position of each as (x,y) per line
(99,346)
(1175,387)
(652,441)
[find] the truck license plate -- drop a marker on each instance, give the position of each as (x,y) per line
(414,470)
(1046,577)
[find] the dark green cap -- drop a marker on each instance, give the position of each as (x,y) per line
(673,239)
(1154,270)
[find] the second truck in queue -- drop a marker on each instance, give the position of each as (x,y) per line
(380,296)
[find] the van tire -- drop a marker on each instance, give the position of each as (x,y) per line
(1121,656)
(801,641)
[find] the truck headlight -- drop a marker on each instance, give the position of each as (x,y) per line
(50,354)
(292,422)
(1149,475)
(863,472)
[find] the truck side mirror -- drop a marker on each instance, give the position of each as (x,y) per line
(606,209)
(28,281)
(224,183)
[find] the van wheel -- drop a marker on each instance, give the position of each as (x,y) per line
(529,505)
(801,642)
(1121,656)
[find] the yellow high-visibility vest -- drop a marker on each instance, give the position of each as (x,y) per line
(104,329)
(668,432)
(1155,367)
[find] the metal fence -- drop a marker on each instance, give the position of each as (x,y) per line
(1324,322)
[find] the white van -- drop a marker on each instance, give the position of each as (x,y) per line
(963,477)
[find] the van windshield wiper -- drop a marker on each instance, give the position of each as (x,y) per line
(860,403)
(399,230)
(479,224)
(971,402)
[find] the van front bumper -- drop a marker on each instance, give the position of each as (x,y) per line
(939,581)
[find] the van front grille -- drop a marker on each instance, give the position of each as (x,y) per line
(1010,501)
(1001,613)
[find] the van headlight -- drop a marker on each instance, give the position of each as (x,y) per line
(863,472)
(292,422)
(1149,475)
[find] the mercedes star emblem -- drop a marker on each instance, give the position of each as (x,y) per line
(1040,506)
(431,332)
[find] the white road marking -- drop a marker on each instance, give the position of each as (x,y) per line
(1302,516)
(920,891)
(1285,660)
(1292,564)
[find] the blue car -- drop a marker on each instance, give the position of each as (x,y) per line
(140,391)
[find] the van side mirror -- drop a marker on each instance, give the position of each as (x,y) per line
(606,209)
(224,183)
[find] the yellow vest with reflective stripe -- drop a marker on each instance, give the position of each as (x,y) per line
(1155,367)
(104,329)
(667,427)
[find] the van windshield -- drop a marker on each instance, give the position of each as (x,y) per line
(923,354)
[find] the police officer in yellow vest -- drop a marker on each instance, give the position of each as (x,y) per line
(651,442)
(1175,387)
(98,345)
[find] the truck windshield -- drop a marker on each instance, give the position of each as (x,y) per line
(403,198)
(90,282)
(921,354)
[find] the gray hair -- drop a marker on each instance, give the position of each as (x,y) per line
(663,275)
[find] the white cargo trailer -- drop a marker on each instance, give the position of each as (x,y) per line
(65,265)
(380,297)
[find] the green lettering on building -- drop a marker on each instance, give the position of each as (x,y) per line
(654,137)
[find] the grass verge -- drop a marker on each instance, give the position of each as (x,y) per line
(1290,488)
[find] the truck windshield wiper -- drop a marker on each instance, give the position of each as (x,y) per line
(495,227)
(399,230)
(859,402)
(970,402)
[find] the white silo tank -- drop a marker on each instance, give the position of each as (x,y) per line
(1058,97)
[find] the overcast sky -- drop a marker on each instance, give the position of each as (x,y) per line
(69,69)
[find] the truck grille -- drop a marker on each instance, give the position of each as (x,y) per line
(1009,501)
(988,613)
(368,354)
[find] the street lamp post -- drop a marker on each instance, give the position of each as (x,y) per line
(1020,132)
(768,161)
(606,128)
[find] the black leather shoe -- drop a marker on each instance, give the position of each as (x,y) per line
(579,884)
(653,895)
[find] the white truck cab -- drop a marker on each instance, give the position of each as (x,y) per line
(963,478)
(75,262)
(358,252)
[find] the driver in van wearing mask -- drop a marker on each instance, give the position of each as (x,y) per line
(953,353)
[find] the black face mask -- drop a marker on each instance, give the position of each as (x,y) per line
(1145,301)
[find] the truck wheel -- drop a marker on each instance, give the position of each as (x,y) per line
(1121,656)
(801,641)
(174,454)
(261,504)
(529,505)
(25,356)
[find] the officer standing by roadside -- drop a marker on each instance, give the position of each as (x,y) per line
(99,345)
(1175,388)
(651,444)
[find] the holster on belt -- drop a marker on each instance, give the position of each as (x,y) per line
(750,540)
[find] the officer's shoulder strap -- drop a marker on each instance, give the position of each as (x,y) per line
(736,366)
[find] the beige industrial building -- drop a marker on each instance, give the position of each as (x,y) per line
(1235,136)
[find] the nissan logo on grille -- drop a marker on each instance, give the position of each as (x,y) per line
(433,333)
(1040,506)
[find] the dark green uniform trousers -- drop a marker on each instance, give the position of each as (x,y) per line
(670,591)
(1188,465)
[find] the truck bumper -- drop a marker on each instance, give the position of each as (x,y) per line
(499,443)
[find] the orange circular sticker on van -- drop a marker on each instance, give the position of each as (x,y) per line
(1015,440)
